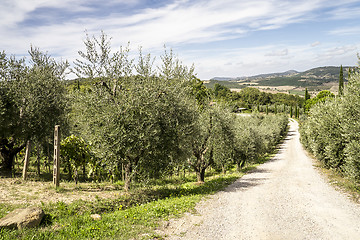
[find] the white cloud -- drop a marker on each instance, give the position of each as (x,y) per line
(314,44)
(346,31)
(176,24)
(283,52)
(345,12)
(13,12)
(333,52)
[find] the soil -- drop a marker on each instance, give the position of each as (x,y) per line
(285,198)
(30,193)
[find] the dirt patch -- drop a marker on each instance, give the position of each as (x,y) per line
(17,191)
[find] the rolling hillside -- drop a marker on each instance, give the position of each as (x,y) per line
(315,79)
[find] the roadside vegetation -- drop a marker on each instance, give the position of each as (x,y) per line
(330,131)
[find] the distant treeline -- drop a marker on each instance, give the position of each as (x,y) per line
(253,98)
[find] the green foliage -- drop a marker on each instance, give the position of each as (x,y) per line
(250,97)
(341,81)
(321,97)
(222,139)
(350,112)
(32,101)
(221,91)
(200,92)
(76,152)
(256,136)
(322,134)
(331,131)
(307,95)
(140,123)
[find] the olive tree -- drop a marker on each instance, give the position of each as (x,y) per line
(213,141)
(139,122)
(257,135)
(33,101)
(223,141)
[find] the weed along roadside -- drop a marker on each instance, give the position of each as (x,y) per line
(134,215)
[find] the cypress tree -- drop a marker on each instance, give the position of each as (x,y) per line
(307,95)
(291,111)
(275,109)
(341,82)
(297,111)
(267,109)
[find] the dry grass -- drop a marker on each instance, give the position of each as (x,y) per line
(17,191)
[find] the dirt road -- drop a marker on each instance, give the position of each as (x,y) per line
(285,198)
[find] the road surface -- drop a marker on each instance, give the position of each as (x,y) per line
(285,198)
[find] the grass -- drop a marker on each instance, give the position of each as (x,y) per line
(130,216)
(296,92)
(346,185)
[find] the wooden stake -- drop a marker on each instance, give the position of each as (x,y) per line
(56,174)
(26,161)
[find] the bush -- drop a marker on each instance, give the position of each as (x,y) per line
(332,131)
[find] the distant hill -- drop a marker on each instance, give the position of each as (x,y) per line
(319,78)
(268,75)
(260,76)
(222,78)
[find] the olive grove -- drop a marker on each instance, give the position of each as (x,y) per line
(128,116)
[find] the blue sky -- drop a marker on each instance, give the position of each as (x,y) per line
(227,38)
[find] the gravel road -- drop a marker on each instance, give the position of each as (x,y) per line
(285,198)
